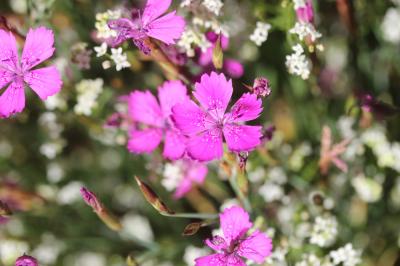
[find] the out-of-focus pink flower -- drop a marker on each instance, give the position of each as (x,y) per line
(231,66)
(306,12)
(380,109)
(206,125)
(261,87)
(16,73)
(90,198)
(155,120)
(234,244)
(167,28)
(26,260)
(330,153)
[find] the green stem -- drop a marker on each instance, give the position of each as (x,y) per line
(204,216)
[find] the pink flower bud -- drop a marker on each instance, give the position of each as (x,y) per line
(306,13)
(91,199)
(261,87)
(26,260)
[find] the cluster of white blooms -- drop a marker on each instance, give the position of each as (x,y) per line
(387,154)
(213,6)
(260,33)
(192,253)
(272,189)
(120,58)
(368,189)
(277,258)
(48,250)
(191,39)
(311,259)
(136,227)
(304,29)
(296,160)
(173,175)
(55,172)
(55,101)
(69,193)
(11,249)
(88,91)
(324,231)
(54,145)
(297,63)
(390,25)
(211,24)
(346,255)
(103,31)
(101,49)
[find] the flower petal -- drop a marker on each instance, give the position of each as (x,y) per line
(190,119)
(125,29)
(154,9)
(205,146)
(167,28)
(5,77)
(212,260)
(171,93)
(144,141)
(8,51)
(217,243)
(143,107)
(247,108)
(12,100)
(214,92)
(38,47)
(44,81)
(233,68)
(235,223)
(256,247)
(242,137)
(174,145)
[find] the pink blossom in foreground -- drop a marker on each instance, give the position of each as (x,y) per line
(206,125)
(15,73)
(234,244)
(167,28)
(306,12)
(26,260)
(330,153)
(154,119)
(231,66)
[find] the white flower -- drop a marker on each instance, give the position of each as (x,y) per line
(345,127)
(10,250)
(299,3)
(324,231)
(55,101)
(277,258)
(297,63)
(55,172)
(103,31)
(70,193)
(191,39)
(50,149)
(260,34)
(304,29)
(48,250)
(173,175)
(271,192)
(367,189)
(101,50)
(192,253)
(309,260)
(346,255)
(136,227)
(88,92)
(90,258)
(213,6)
(120,59)
(390,25)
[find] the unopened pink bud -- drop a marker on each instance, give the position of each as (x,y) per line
(90,198)
(26,260)
(261,87)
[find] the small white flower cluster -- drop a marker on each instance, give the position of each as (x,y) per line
(192,253)
(346,255)
(191,39)
(260,34)
(88,90)
(390,25)
(213,6)
(103,31)
(277,258)
(387,154)
(304,29)
(272,189)
(54,145)
(311,259)
(324,231)
(296,160)
(211,24)
(297,63)
(55,101)
(136,227)
(185,3)
(368,189)
(120,59)
(173,175)
(69,193)
(299,3)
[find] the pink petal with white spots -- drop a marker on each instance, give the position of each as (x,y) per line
(38,47)
(143,107)
(242,137)
(247,108)
(44,81)
(154,9)
(205,146)
(190,119)
(171,93)
(167,29)
(8,51)
(235,223)
(256,247)
(214,92)
(144,141)
(5,77)
(12,100)
(174,145)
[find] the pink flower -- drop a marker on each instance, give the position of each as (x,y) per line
(150,23)
(26,260)
(235,245)
(15,74)
(155,120)
(306,12)
(91,199)
(207,124)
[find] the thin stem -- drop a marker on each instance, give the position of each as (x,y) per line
(204,216)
